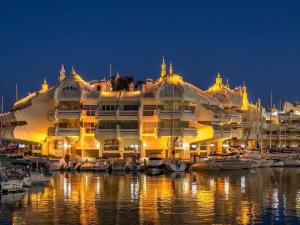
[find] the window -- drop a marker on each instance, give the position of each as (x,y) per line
(89,127)
(108,107)
(131,107)
(69,88)
(148,110)
(90,109)
(129,125)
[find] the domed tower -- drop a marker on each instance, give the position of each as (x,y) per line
(62,73)
(44,86)
(163,71)
(245,101)
(219,81)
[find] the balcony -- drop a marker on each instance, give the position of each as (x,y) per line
(128,114)
(106,133)
(106,115)
(177,132)
(222,133)
(67,114)
(128,133)
(168,132)
(185,115)
(191,132)
(118,115)
(70,131)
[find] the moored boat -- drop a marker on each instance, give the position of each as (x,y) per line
(278,163)
(291,162)
(206,165)
(118,165)
(176,165)
(155,166)
(134,166)
(101,165)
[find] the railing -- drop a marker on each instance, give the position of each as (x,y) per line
(70,131)
(118,113)
(106,132)
(189,131)
(67,114)
(128,132)
(176,114)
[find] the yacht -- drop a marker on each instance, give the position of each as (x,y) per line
(134,166)
(87,166)
(155,166)
(40,173)
(206,165)
(176,165)
(118,165)
(234,164)
(291,162)
(101,165)
(10,181)
(278,163)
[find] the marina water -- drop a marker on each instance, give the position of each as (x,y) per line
(260,196)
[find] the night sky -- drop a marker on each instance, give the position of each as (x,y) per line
(253,41)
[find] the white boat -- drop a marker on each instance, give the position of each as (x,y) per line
(87,166)
(266,162)
(235,164)
(39,178)
(134,166)
(118,165)
(11,184)
(27,182)
(206,165)
(176,165)
(291,162)
(101,165)
(278,163)
(155,166)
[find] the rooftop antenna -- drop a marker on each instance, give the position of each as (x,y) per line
(17,94)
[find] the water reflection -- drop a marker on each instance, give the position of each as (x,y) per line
(243,197)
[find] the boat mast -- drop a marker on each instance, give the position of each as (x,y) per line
(270,117)
(285,124)
(280,144)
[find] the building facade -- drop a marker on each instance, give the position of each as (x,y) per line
(165,117)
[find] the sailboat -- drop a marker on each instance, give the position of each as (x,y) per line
(174,165)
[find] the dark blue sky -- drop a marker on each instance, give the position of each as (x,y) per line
(253,41)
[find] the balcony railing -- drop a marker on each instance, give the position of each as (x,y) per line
(186,115)
(128,133)
(106,132)
(177,132)
(70,131)
(117,114)
(67,114)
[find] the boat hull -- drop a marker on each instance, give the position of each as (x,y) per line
(278,164)
(292,162)
(13,185)
(176,167)
(266,163)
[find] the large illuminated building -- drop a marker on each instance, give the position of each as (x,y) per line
(282,127)
(163,117)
